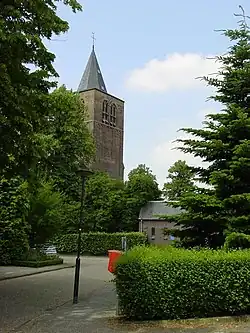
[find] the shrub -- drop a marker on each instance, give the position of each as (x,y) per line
(46,213)
(98,243)
(14,205)
(35,258)
(237,241)
(37,264)
(170,283)
(13,245)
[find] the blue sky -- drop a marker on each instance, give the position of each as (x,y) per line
(150,53)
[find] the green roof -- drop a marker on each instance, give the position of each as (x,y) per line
(92,76)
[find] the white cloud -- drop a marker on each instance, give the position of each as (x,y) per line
(176,72)
(164,156)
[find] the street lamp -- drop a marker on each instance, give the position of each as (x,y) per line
(84,173)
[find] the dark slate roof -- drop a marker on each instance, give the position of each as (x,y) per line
(92,76)
(153,209)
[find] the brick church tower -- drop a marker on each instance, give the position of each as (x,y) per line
(106,119)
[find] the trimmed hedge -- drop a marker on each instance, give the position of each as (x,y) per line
(237,240)
(170,283)
(98,243)
(36,264)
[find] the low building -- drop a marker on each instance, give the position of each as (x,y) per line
(153,225)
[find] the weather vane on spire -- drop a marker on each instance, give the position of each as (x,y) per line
(94,39)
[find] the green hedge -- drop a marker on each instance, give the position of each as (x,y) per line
(157,283)
(36,264)
(237,240)
(98,243)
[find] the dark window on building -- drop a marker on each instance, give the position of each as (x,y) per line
(105,113)
(153,232)
(113,115)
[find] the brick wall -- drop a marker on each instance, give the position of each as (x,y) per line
(108,139)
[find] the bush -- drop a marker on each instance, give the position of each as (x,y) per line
(170,283)
(12,246)
(46,213)
(14,205)
(35,258)
(37,264)
(98,243)
(237,241)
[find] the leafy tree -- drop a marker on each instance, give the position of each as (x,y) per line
(24,24)
(46,214)
(140,188)
(224,142)
(14,201)
(181,181)
(104,203)
(72,142)
(26,77)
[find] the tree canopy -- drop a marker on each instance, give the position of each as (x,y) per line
(112,205)
(26,76)
(224,142)
(181,181)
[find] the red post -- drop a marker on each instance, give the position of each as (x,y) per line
(113,256)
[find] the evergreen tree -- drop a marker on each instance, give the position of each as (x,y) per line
(224,142)
(181,181)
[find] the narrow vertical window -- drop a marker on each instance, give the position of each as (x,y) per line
(113,115)
(105,114)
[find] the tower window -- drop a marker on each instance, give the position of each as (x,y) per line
(113,115)
(105,113)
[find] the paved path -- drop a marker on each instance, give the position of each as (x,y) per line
(98,315)
(23,299)
(12,272)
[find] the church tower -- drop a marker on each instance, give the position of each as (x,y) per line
(106,119)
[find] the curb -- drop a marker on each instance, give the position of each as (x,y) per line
(35,273)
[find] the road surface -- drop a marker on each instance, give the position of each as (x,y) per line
(25,298)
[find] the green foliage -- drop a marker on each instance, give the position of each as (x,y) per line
(104,203)
(169,283)
(112,206)
(223,142)
(36,264)
(24,25)
(37,255)
(140,188)
(14,209)
(46,213)
(237,240)
(181,181)
(36,258)
(98,243)
(73,143)
(32,140)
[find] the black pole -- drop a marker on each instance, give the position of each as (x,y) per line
(78,260)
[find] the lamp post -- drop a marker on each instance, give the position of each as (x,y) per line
(84,173)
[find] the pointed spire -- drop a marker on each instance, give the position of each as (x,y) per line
(92,76)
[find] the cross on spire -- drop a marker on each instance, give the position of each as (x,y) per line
(94,39)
